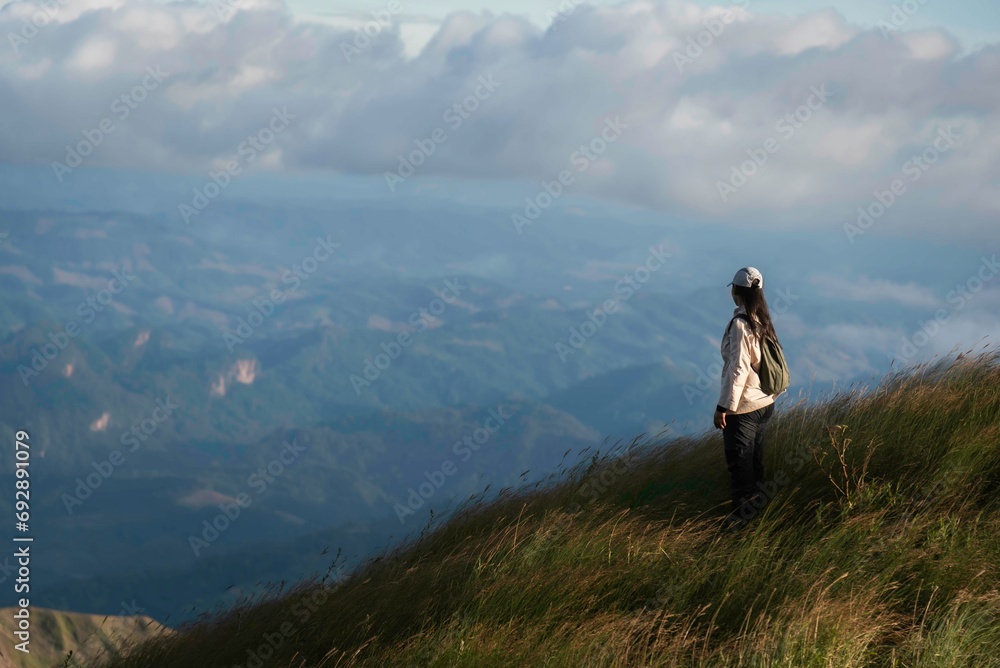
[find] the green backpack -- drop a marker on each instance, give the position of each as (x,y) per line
(774,377)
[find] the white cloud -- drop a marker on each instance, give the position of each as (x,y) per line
(824,29)
(95,54)
(686,128)
(855,339)
(929,45)
(864,289)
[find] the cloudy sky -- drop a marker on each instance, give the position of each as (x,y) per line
(975,22)
(793,113)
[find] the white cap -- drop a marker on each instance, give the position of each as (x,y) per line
(746,277)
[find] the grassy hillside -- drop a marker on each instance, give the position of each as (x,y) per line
(70,639)
(881,547)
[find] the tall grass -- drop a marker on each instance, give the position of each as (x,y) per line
(880,547)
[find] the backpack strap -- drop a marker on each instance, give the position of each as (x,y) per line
(741,316)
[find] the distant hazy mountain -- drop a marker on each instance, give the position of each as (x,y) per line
(159,366)
(71,639)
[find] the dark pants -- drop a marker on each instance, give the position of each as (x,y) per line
(743,438)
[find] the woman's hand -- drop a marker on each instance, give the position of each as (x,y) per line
(720,420)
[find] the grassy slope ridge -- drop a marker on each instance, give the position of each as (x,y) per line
(55,634)
(886,557)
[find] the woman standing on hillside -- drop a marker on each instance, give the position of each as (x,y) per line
(744,408)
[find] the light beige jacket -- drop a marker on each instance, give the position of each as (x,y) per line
(741,391)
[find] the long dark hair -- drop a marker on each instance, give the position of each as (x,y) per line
(760,316)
